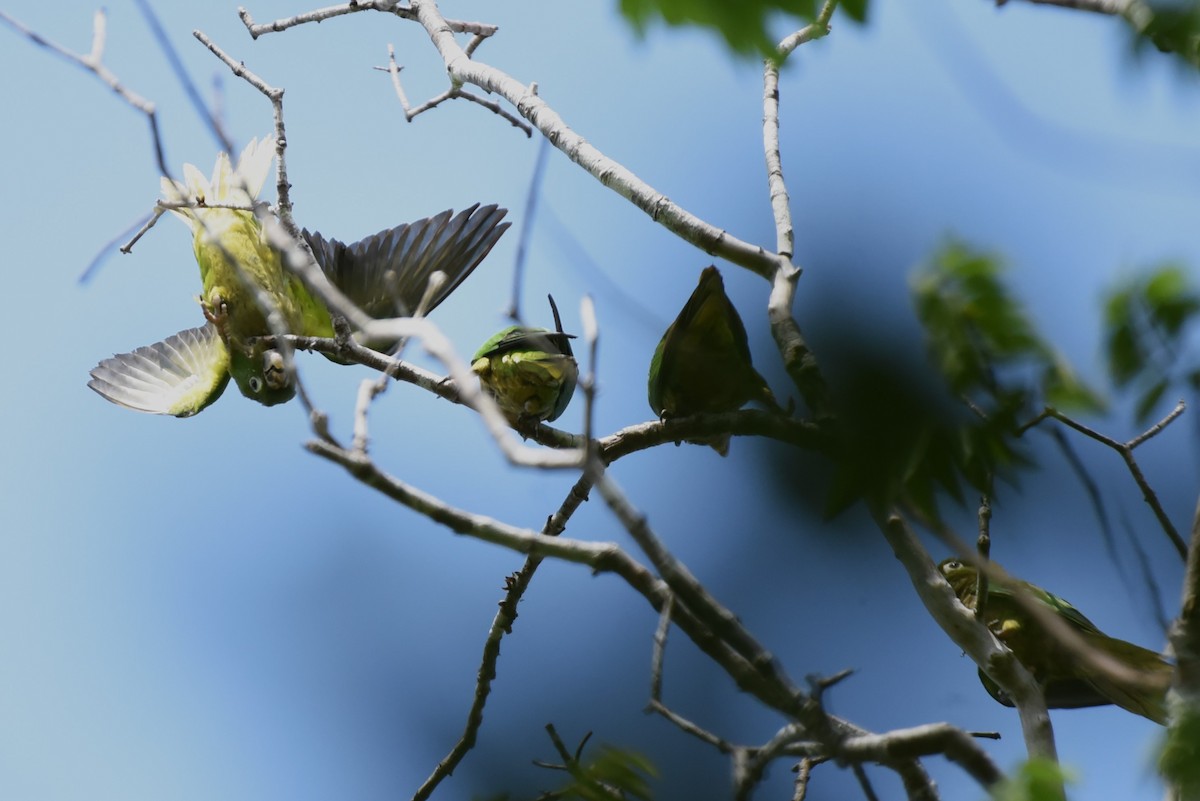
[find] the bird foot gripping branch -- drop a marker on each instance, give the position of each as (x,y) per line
(530,372)
(703,364)
(244,282)
(1067,681)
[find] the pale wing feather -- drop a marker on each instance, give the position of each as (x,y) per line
(180,375)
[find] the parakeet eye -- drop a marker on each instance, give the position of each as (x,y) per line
(256,384)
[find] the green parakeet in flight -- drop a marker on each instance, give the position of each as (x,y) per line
(386,274)
(1066,681)
(531,372)
(702,364)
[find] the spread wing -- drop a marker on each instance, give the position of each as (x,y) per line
(388,273)
(180,375)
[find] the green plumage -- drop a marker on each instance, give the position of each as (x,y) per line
(531,372)
(387,274)
(702,363)
(1066,681)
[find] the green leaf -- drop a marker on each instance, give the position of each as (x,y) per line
(982,340)
(1063,390)
(1146,321)
(743,24)
(611,773)
(1170,299)
(1035,780)
(855,9)
(1149,399)
(1171,28)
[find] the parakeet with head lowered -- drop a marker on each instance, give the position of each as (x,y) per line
(531,372)
(702,363)
(1067,682)
(387,274)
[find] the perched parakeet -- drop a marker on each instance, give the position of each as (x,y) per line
(702,363)
(1066,681)
(531,372)
(386,275)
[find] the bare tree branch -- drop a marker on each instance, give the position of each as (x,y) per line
(93,63)
(973,637)
(1125,449)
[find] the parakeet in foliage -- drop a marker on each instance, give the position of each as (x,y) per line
(531,372)
(1066,681)
(386,275)
(702,364)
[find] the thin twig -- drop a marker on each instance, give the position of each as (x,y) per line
(93,63)
(863,782)
(140,225)
(453,93)
(803,774)
(502,623)
(476,29)
(686,587)
(185,80)
(1125,449)
(660,649)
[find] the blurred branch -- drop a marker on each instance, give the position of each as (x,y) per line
(531,199)
(1125,449)
(93,62)
(136,228)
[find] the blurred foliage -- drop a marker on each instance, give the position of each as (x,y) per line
(743,24)
(983,342)
(1172,28)
(903,438)
(1145,322)
(612,773)
(1034,780)
(1179,759)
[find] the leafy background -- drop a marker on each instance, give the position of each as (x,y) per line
(198,609)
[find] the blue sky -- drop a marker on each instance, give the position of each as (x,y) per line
(199,609)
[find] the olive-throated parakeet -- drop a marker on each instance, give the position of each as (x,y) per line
(702,364)
(1067,682)
(386,275)
(531,372)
